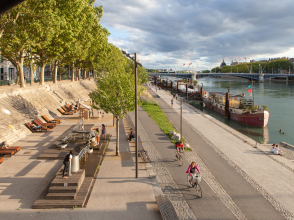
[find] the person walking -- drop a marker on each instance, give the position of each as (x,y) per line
(103,131)
(172,102)
(66,161)
(177,96)
(97,135)
(92,113)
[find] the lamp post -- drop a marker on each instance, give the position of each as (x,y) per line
(136,105)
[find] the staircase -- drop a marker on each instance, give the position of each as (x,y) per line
(65,193)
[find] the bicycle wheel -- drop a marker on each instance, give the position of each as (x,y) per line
(180,159)
(198,190)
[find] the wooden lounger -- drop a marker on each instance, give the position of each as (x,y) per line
(14,148)
(65,113)
(40,129)
(1,159)
(68,108)
(51,121)
(38,122)
(7,152)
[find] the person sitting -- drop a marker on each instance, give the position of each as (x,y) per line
(277,150)
(272,148)
(4,145)
(192,169)
(34,127)
(131,135)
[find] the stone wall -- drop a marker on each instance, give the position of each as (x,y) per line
(19,106)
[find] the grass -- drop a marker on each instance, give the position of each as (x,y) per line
(155,112)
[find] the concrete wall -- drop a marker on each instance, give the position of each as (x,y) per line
(19,106)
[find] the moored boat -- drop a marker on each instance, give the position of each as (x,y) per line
(240,109)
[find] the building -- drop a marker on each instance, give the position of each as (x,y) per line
(223,64)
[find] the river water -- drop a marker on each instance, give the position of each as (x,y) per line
(277,95)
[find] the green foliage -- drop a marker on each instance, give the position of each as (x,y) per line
(265,108)
(217,70)
(267,67)
(206,71)
(184,80)
(195,82)
(155,112)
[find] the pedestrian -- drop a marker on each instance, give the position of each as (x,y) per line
(103,131)
(97,135)
(92,112)
(103,115)
(66,161)
(156,89)
(172,102)
(177,96)
(159,88)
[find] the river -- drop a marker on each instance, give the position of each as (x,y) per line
(277,95)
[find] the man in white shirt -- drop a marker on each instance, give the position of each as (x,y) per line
(277,150)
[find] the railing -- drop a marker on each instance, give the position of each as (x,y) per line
(80,123)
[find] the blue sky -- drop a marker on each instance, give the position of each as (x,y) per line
(169,33)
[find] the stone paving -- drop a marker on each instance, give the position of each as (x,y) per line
(164,178)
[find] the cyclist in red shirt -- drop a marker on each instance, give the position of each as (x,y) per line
(179,145)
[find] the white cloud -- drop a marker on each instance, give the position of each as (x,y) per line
(183,31)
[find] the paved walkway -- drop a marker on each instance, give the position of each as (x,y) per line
(258,169)
(116,194)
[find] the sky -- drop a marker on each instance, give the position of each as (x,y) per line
(170,33)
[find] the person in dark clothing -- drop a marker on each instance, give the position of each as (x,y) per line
(66,161)
(131,135)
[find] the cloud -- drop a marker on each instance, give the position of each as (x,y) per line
(173,32)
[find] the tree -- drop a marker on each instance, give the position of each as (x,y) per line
(115,91)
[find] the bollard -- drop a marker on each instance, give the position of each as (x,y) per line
(69,172)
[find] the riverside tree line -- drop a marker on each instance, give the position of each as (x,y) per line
(58,32)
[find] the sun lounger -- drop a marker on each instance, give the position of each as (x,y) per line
(65,113)
(1,159)
(69,109)
(15,148)
(66,109)
(51,121)
(38,122)
(35,130)
(7,152)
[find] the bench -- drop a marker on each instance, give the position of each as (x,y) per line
(38,122)
(64,113)
(36,130)
(143,153)
(51,121)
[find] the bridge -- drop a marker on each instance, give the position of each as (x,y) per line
(249,76)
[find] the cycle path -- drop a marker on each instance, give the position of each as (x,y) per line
(247,201)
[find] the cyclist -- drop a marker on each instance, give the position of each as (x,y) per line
(192,170)
(179,145)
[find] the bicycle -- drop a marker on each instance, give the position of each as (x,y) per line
(195,183)
(179,157)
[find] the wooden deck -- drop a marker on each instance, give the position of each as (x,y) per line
(74,191)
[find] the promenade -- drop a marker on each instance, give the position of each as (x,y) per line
(244,177)
(116,193)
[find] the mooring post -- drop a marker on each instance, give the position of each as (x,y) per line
(227,105)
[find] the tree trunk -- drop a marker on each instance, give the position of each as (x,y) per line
(17,75)
(20,67)
(42,73)
(117,136)
(72,72)
(79,73)
(84,74)
(32,71)
(54,74)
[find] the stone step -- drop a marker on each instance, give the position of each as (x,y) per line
(63,189)
(53,204)
(76,179)
(61,196)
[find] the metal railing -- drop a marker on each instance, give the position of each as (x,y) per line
(80,123)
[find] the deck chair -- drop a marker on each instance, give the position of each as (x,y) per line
(38,122)
(64,113)
(37,130)
(1,159)
(15,148)
(68,108)
(51,121)
(7,152)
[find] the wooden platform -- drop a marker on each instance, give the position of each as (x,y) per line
(74,191)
